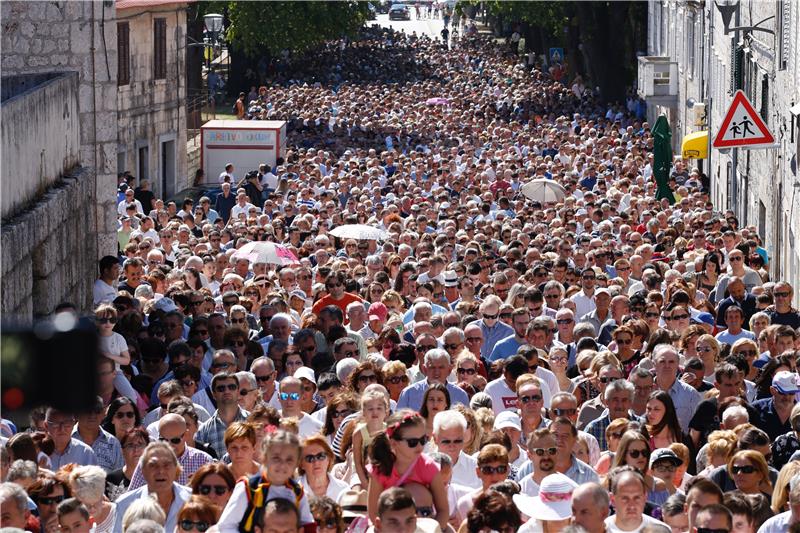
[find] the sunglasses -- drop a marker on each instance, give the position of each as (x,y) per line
(564,412)
(467,371)
(607,379)
(321,456)
(173,440)
(747,353)
(490,317)
(219,365)
(489,470)
(264,379)
(615,435)
(781,294)
(229,386)
(747,469)
(453,346)
(50,500)
(425,348)
(679,317)
(530,398)
(109,320)
(188,525)
(342,413)
(413,442)
(245,392)
(636,453)
(290,396)
(124,414)
(651,315)
(541,451)
(448,442)
(564,321)
(367,378)
(396,380)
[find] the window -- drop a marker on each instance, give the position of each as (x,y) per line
(690,44)
(160,48)
(123,54)
(765,98)
(784,39)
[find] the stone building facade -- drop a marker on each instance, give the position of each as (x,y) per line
(151,95)
(761,186)
(46,37)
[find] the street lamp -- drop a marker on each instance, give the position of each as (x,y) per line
(213,24)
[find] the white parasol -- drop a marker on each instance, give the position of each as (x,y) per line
(266,252)
(359,232)
(543,190)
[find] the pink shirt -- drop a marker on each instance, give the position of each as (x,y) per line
(423,471)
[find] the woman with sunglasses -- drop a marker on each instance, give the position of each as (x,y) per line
(688,341)
(395,378)
(634,450)
(47,492)
(662,422)
(214,481)
(240,445)
(707,348)
(327,514)
(750,473)
(652,315)
(316,462)
(198,514)
(122,415)
(628,357)
(747,349)
(133,444)
(677,318)
(364,374)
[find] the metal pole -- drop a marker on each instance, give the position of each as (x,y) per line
(735,151)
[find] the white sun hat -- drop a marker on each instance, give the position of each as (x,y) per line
(554,501)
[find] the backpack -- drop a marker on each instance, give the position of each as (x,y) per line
(257,492)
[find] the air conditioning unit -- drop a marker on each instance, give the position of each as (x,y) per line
(658,80)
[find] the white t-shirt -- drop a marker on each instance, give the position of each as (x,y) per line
(102,292)
(503,398)
(611,526)
(114,344)
(464,472)
(308,426)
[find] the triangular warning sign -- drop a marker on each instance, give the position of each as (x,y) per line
(742,126)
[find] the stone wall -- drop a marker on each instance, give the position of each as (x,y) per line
(46,256)
(41,37)
(40,128)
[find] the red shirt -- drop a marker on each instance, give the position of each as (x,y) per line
(342,304)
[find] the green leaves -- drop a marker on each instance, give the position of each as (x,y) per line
(259,27)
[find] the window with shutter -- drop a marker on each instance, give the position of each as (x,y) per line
(123,54)
(783,24)
(160,48)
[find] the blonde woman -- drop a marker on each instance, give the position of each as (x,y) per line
(721,444)
(474,433)
(707,348)
(780,496)
(750,472)
(88,484)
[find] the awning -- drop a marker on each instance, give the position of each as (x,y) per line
(695,145)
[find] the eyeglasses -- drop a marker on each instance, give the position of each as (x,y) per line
(125,414)
(188,525)
(781,294)
(448,442)
(452,346)
(223,388)
(220,365)
(747,353)
(229,303)
(173,440)
(651,314)
(59,425)
(342,413)
(490,317)
(467,371)
(367,378)
(413,442)
(680,317)
(615,435)
(542,451)
(290,396)
(396,380)
(425,348)
(238,344)
(106,320)
(264,379)
(238,320)
(489,470)
(50,500)
(735,258)
(245,392)
(636,453)
(564,412)
(333,285)
(607,379)
(665,467)
(530,398)
(625,341)
(564,321)
(744,469)
(321,456)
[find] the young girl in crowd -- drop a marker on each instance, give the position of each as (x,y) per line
(374,408)
(115,347)
(396,458)
(280,458)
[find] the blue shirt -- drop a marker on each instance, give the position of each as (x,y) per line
(506,348)
(76,452)
(768,419)
(686,399)
(106,448)
(412,396)
(181,493)
(493,335)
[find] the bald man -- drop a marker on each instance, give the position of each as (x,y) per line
(172,430)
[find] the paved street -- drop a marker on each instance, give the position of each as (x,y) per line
(429,27)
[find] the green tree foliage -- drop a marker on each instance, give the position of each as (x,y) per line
(256,28)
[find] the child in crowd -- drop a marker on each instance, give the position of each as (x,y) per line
(375,408)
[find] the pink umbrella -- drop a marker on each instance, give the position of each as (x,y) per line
(266,252)
(437,101)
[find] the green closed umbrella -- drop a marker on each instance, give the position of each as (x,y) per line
(662,158)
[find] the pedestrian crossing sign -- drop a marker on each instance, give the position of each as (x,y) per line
(742,126)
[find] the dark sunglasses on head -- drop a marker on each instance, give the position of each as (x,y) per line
(189,525)
(489,470)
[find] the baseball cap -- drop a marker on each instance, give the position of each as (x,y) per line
(785,382)
(665,454)
(298,293)
(378,311)
(507,419)
(168,305)
(705,318)
(305,373)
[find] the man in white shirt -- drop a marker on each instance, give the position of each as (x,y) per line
(449,428)
(502,391)
(227,176)
(584,300)
(129,199)
(104,290)
(628,496)
(291,391)
(242,206)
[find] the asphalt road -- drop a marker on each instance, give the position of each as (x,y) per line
(430,27)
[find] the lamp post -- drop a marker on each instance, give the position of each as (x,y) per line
(213,24)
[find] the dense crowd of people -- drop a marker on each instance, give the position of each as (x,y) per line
(601,362)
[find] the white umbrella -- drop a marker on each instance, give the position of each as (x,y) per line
(543,190)
(266,252)
(359,232)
